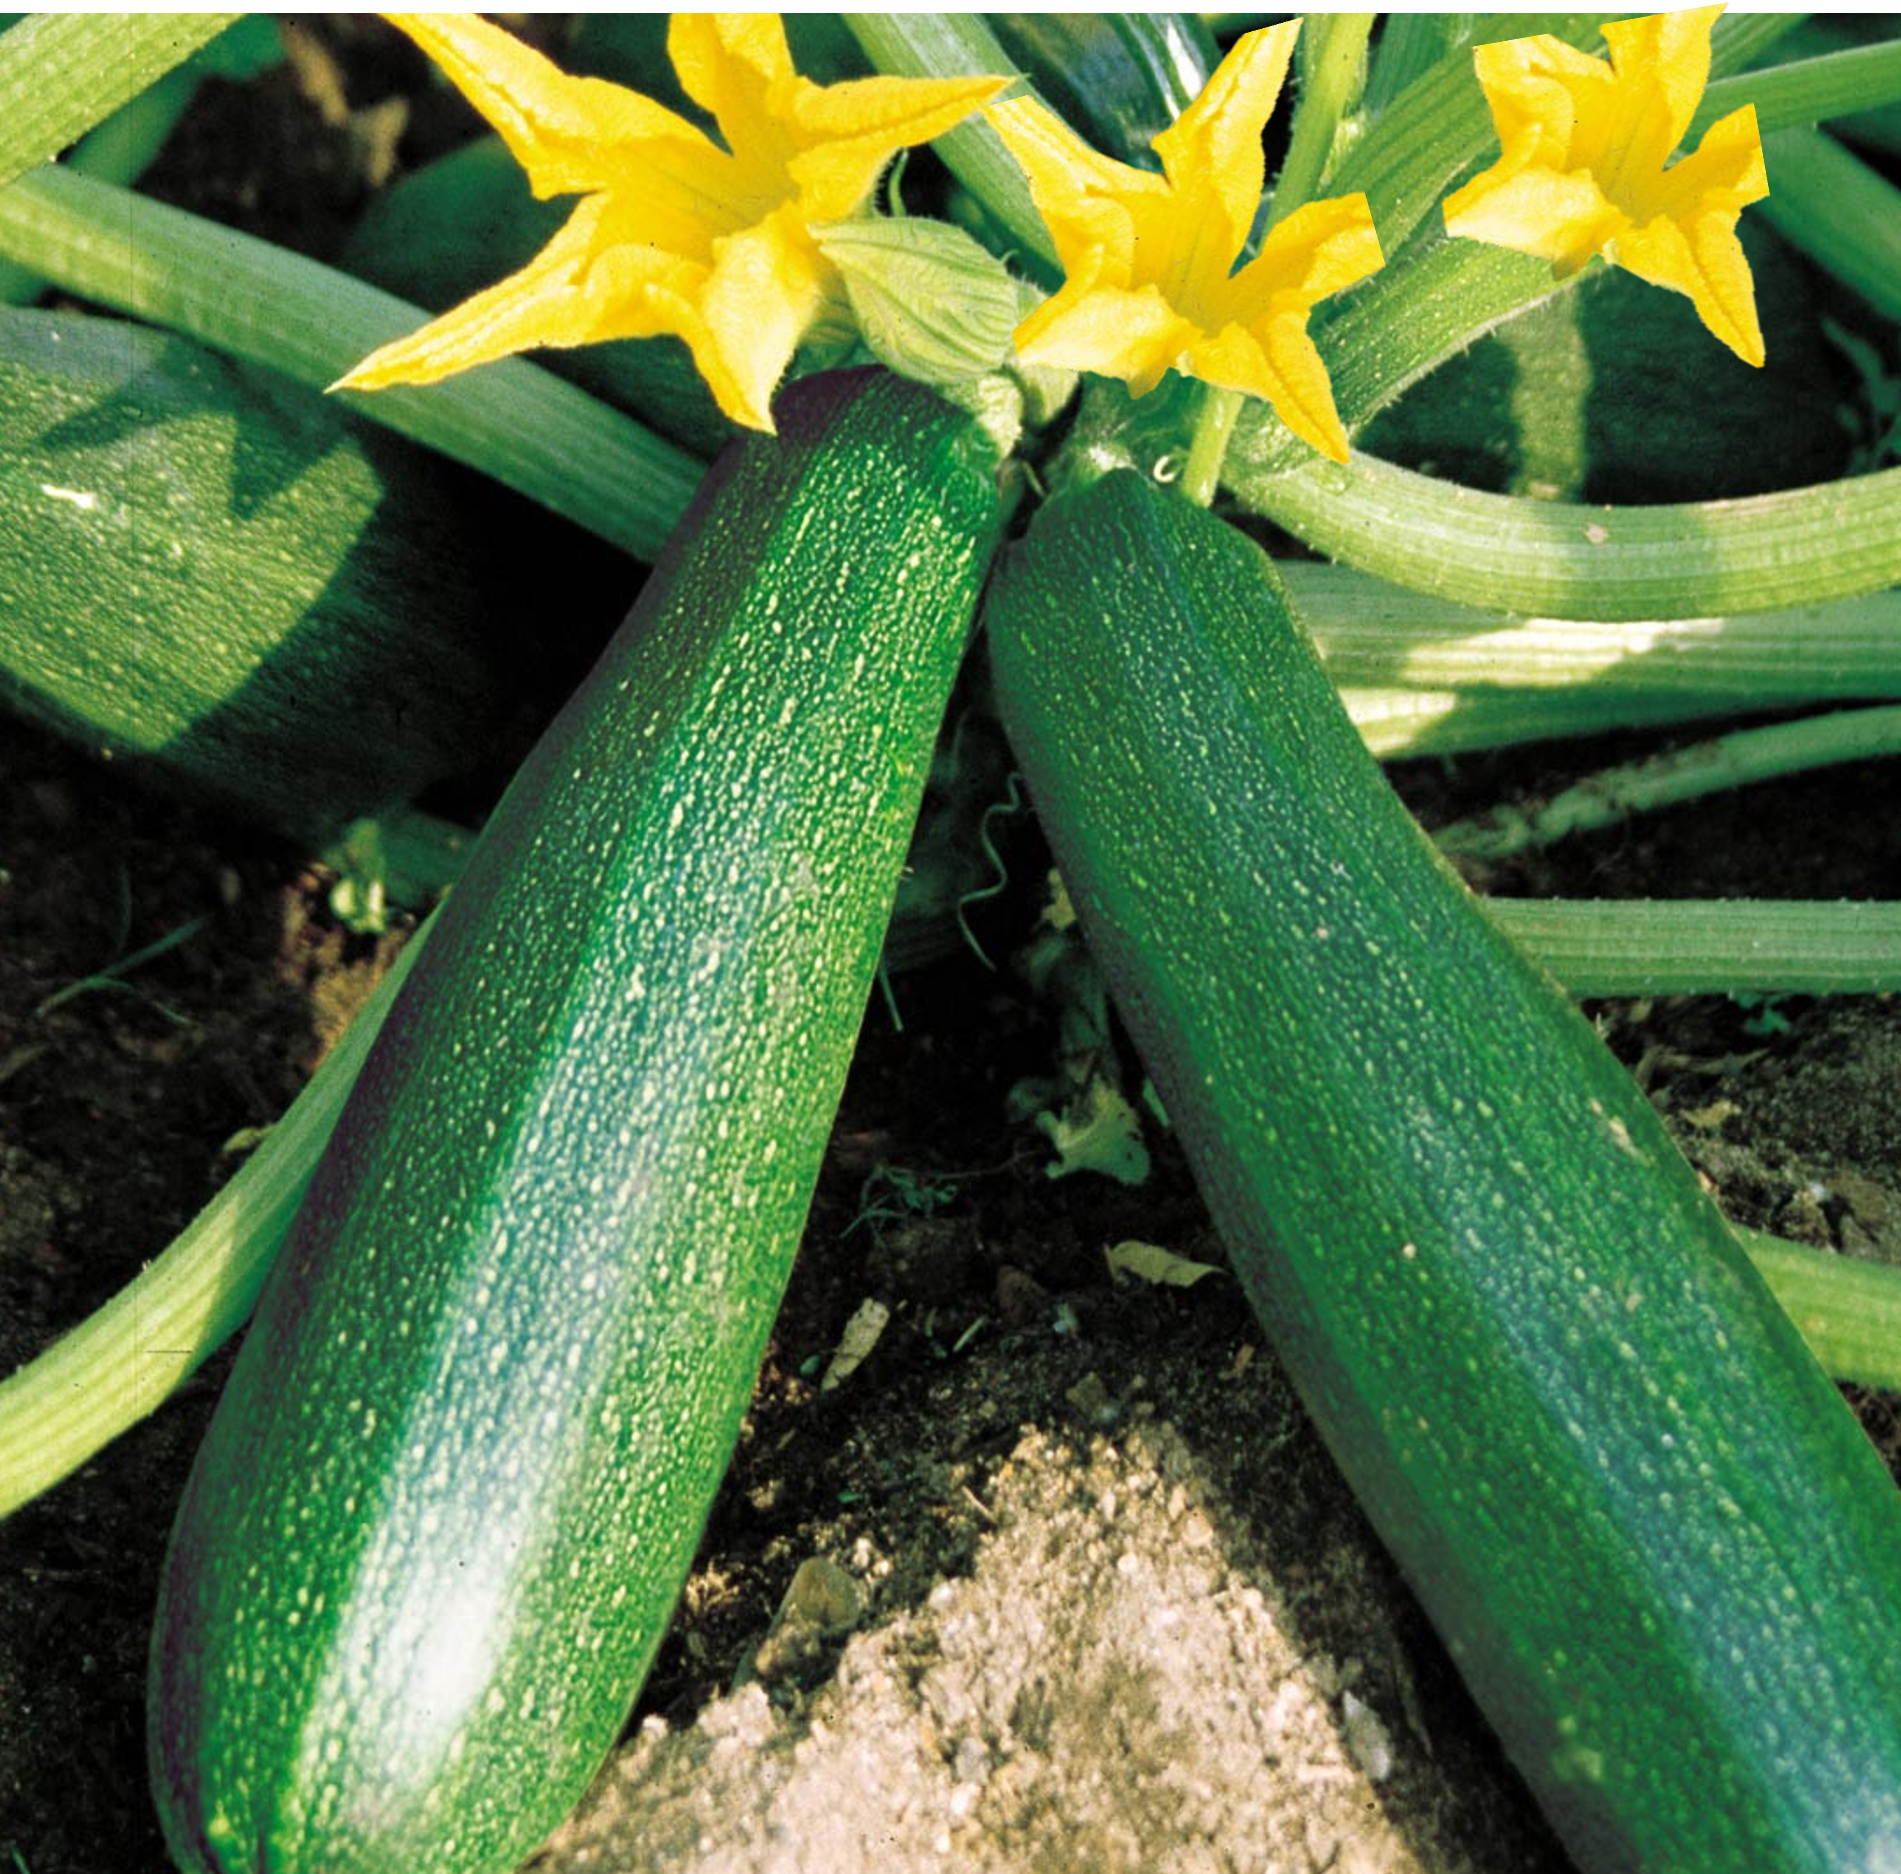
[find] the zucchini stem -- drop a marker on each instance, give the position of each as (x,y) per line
(61,73)
(1374,634)
(1201,478)
(961,45)
(125,1360)
(1331,57)
(1561,559)
(1804,91)
(1613,795)
(1719,946)
(1840,212)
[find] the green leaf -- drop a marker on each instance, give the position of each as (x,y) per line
(1097,1131)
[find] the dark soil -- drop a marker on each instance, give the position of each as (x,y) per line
(1025,1434)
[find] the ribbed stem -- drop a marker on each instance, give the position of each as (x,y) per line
(1411,722)
(1201,478)
(1841,213)
(1656,947)
(1564,560)
(1411,44)
(961,45)
(121,1363)
(1332,61)
(1849,1312)
(1613,795)
(1375,633)
(1805,91)
(61,73)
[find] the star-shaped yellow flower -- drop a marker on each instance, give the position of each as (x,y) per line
(674,234)
(1582,172)
(1149,259)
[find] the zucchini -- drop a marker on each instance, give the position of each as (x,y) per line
(235,589)
(440,1519)
(1654,1539)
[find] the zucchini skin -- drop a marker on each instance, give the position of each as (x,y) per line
(214,578)
(1655,1540)
(458,1474)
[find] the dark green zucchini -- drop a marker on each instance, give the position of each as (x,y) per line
(1657,1544)
(233,587)
(458,1474)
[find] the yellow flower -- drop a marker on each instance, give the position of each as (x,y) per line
(1149,259)
(1582,166)
(674,234)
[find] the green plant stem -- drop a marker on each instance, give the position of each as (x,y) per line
(1805,91)
(1564,560)
(1655,947)
(1414,314)
(118,150)
(1396,723)
(121,1363)
(513,421)
(961,45)
(1848,1311)
(1201,479)
(1837,210)
(1738,760)
(61,73)
(1332,58)
(1375,633)
(1410,45)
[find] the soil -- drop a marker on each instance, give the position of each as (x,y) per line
(1076,1585)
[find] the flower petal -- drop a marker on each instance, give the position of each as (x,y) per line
(1563,218)
(846,133)
(677,234)
(558,299)
(1276,360)
(1081,194)
(1322,248)
(728,63)
(1726,170)
(1136,336)
(562,130)
(1588,175)
(1671,52)
(1540,90)
(1701,256)
(1149,259)
(767,285)
(1213,149)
